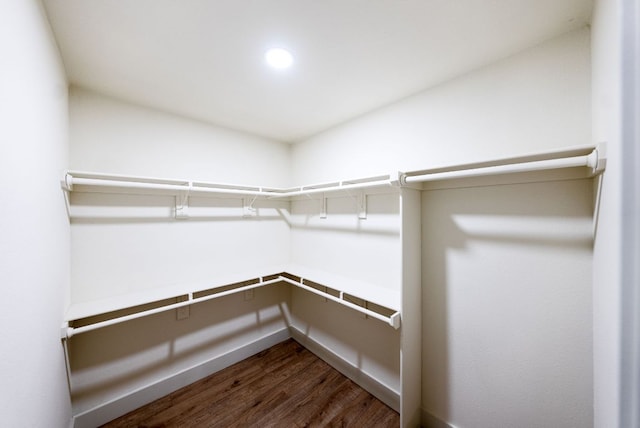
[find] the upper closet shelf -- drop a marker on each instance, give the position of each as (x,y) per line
(591,158)
(79,181)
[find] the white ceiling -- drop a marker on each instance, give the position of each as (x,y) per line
(204,58)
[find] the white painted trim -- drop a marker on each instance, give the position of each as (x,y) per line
(411,291)
(630,223)
(431,421)
(117,407)
(382,392)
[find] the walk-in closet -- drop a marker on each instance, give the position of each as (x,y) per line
(430,203)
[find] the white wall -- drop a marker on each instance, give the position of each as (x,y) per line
(515,344)
(143,247)
(123,244)
(606,53)
(506,274)
(532,101)
(108,135)
(129,244)
(34,248)
(366,250)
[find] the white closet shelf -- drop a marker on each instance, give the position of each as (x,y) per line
(369,299)
(352,293)
(91,308)
(82,181)
(376,294)
(591,157)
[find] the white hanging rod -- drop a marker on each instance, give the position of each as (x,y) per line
(187,187)
(393,320)
(105,181)
(590,160)
(537,162)
(338,186)
(68,332)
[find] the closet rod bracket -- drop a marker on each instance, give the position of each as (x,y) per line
(67,182)
(597,160)
(394,320)
(65,331)
(396,178)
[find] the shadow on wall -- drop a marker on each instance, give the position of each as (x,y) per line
(112,361)
(104,208)
(364,349)
(507,305)
(341,215)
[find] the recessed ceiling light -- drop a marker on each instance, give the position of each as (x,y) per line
(279,58)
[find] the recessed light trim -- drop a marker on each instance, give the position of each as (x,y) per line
(278,58)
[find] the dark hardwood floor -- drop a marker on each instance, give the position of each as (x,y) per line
(284,386)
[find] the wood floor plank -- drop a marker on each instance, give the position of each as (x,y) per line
(293,395)
(271,392)
(333,404)
(240,400)
(227,385)
(285,385)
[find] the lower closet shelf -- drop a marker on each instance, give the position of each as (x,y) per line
(368,299)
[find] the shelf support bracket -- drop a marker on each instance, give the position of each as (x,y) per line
(323,210)
(182,206)
(362,205)
(247,207)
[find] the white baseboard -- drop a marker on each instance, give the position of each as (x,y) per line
(108,411)
(382,392)
(431,421)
